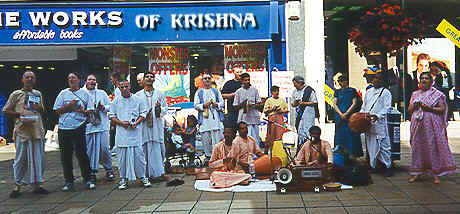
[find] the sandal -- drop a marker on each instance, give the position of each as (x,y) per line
(436,180)
(413,178)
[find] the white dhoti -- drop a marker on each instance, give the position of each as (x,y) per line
(29,163)
(153,159)
(209,139)
(98,148)
(131,161)
(379,148)
(253,131)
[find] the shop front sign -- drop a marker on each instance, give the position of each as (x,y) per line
(45,24)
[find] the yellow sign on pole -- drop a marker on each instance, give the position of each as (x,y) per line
(328,95)
(449,31)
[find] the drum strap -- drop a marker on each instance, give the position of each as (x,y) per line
(381,91)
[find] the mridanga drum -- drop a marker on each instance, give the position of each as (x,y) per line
(359,122)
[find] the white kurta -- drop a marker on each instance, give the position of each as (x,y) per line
(211,128)
(97,136)
(131,159)
(377,138)
(252,117)
(308,116)
(153,137)
(128,109)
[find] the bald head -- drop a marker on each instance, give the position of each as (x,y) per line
(28,80)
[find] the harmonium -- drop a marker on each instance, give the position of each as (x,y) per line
(301,179)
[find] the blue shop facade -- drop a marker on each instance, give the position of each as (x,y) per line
(175,40)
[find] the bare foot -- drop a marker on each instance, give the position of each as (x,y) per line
(413,178)
(436,180)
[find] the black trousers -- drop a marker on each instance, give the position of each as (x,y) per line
(70,140)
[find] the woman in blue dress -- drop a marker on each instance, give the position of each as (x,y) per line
(347,102)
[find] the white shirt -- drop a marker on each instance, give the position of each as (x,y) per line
(72,120)
(99,96)
(213,121)
(252,117)
(380,109)
(155,133)
(128,109)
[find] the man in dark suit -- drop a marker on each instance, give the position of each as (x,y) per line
(443,82)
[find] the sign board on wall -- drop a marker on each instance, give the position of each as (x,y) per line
(127,23)
(172,72)
(252,58)
(432,47)
(283,79)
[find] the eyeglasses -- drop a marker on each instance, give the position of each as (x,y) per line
(207,78)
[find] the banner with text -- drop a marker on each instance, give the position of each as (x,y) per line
(252,58)
(172,72)
(121,23)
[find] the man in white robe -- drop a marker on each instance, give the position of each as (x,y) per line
(210,104)
(127,112)
(377,103)
(29,163)
(97,131)
(248,102)
(305,109)
(153,126)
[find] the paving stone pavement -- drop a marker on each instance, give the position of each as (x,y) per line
(385,195)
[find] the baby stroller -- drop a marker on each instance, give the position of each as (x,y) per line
(179,156)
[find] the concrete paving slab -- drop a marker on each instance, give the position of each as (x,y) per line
(407,209)
(366,210)
(200,211)
(254,196)
(140,206)
(370,202)
(324,196)
(312,204)
(107,207)
(218,196)
(445,208)
(70,208)
(248,204)
(287,211)
(212,205)
(36,208)
(176,206)
(326,210)
(247,211)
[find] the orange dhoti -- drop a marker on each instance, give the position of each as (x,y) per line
(274,131)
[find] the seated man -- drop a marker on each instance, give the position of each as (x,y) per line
(246,145)
(223,159)
(224,154)
(315,152)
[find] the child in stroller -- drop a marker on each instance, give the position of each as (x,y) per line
(180,144)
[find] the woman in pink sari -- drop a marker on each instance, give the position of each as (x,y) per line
(430,148)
